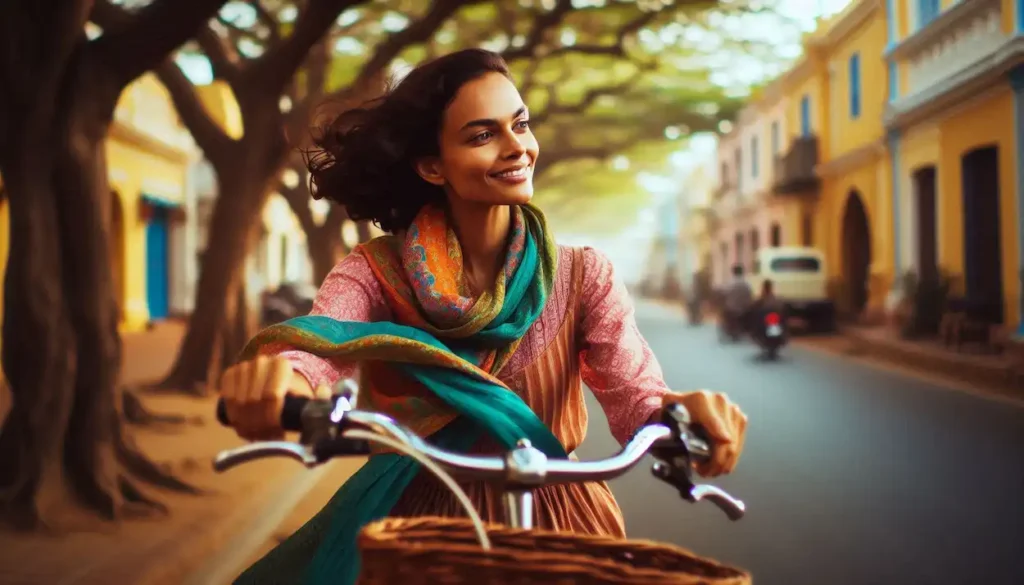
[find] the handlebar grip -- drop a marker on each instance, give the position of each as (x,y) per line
(291,413)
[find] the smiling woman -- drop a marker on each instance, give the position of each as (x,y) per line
(467,322)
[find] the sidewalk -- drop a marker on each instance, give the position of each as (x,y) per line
(991,373)
(167,550)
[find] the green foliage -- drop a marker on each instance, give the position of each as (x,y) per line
(602,79)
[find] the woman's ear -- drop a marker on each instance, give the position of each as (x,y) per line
(429,168)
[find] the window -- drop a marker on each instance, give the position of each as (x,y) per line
(739,168)
(776,235)
(808,235)
(753,157)
(804,264)
(927,11)
(755,243)
(855,85)
(805,115)
(775,139)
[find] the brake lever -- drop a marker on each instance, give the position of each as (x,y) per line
(680,452)
(233,457)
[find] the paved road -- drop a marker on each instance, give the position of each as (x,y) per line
(852,476)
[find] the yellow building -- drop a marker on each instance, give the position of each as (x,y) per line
(954,120)
(838,96)
(149,155)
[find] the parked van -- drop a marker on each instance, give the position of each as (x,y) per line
(799,278)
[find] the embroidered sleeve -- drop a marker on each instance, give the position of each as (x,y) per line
(349,293)
(616,362)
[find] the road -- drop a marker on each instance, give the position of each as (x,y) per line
(852,475)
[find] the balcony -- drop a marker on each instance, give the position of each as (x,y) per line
(794,171)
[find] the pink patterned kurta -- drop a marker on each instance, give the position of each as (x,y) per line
(615,361)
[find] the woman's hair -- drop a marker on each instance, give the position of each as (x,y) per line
(365,158)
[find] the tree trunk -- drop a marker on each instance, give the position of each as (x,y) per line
(217,330)
(326,248)
(64,440)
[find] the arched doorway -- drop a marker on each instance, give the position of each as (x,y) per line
(856,253)
(983,263)
(117,250)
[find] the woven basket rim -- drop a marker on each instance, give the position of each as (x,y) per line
(397,534)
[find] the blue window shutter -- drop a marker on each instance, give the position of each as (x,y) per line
(855,85)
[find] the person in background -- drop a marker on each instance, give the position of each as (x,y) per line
(738,298)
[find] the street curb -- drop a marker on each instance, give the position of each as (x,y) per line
(1002,383)
(997,381)
(208,537)
(247,532)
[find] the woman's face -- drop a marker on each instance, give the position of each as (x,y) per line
(487,151)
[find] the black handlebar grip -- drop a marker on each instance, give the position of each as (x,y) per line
(291,413)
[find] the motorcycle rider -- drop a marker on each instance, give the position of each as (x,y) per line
(767,301)
(738,299)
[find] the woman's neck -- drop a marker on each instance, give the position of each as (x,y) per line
(483,235)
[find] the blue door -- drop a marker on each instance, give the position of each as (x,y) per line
(157,279)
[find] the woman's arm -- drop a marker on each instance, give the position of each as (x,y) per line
(616,362)
(349,293)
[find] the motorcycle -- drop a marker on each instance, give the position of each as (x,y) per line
(336,428)
(771,335)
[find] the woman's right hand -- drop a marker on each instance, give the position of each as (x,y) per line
(254,392)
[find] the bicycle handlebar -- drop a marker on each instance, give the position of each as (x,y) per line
(676,443)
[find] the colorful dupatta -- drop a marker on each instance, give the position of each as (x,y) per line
(448,347)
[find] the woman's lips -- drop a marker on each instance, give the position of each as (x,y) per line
(514,176)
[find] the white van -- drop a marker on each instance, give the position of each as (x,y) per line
(800,282)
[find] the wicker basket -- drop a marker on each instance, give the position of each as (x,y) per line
(414,551)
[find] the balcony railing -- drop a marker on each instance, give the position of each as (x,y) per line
(794,171)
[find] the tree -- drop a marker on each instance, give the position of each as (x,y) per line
(64,441)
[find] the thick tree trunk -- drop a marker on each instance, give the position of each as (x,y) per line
(64,442)
(220,324)
(326,248)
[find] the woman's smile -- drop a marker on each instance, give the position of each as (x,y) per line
(515,175)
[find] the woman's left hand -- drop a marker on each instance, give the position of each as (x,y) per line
(724,422)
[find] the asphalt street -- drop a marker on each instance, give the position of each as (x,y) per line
(852,475)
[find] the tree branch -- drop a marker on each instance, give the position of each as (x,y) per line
(420,31)
(268,20)
(216,144)
(133,44)
(616,50)
(298,200)
(589,98)
(224,58)
(272,71)
(542,24)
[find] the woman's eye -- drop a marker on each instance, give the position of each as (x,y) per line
(523,124)
(481,136)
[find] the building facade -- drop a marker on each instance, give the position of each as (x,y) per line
(902,152)
(956,143)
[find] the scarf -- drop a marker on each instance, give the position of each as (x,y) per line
(445,350)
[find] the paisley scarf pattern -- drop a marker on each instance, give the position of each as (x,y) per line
(448,346)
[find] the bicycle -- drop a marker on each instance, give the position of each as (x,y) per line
(336,428)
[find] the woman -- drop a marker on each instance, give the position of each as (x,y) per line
(471,280)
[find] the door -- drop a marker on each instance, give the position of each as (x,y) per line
(927,252)
(157,264)
(983,264)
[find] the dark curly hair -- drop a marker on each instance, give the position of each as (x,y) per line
(364,159)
